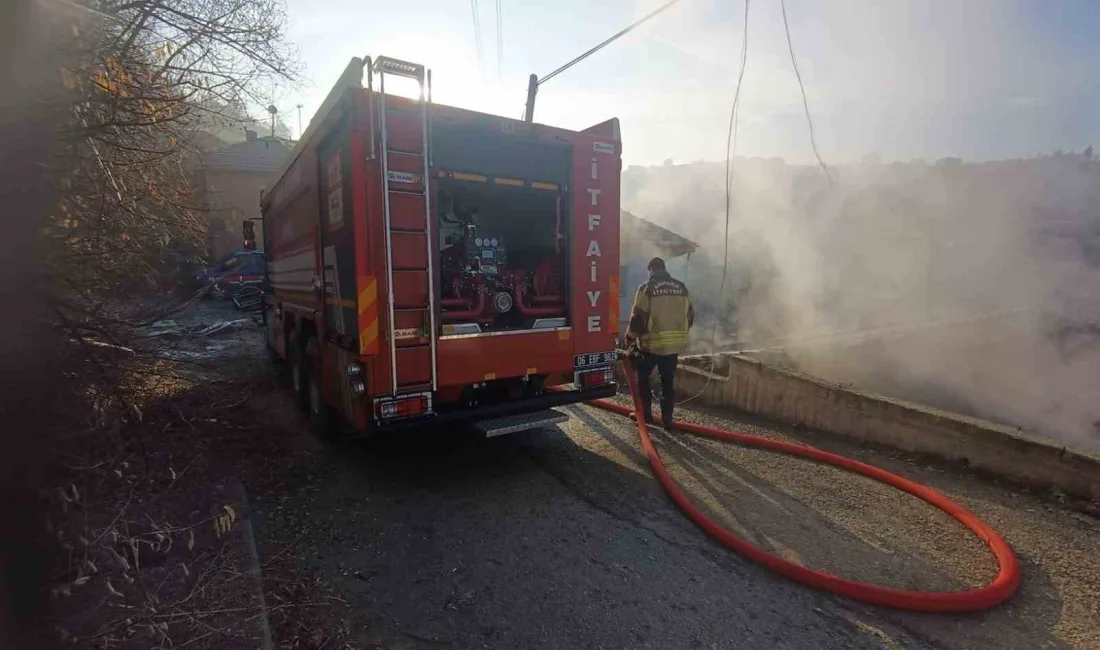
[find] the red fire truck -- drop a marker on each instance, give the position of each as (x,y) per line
(430,264)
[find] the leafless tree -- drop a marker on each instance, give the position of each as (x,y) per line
(144,79)
(139,81)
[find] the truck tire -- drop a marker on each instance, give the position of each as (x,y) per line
(269,347)
(322,422)
(281,371)
(299,373)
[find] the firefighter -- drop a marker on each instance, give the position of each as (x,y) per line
(658,330)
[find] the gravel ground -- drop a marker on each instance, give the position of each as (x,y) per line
(471,543)
(858,528)
(560,538)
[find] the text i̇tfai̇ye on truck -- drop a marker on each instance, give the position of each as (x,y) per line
(427,263)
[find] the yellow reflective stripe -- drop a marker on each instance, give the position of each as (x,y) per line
(664,343)
(674,335)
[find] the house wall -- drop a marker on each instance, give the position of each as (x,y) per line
(231,196)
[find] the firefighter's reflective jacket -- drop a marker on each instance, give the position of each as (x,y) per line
(662,315)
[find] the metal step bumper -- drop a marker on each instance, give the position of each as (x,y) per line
(520,422)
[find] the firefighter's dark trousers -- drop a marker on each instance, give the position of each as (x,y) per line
(666,368)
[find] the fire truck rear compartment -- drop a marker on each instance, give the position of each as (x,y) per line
(502,257)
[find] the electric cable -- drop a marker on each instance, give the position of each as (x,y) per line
(731,143)
(802,88)
(477,37)
(500,42)
(731,151)
(607,42)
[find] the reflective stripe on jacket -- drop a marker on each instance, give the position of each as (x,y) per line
(662,315)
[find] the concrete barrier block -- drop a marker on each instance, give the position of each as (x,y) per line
(747,384)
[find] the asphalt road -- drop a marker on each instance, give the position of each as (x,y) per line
(559,538)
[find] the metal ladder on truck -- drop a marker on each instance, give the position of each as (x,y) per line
(410,277)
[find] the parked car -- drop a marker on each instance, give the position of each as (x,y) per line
(238,269)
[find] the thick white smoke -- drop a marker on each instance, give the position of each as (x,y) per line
(972,287)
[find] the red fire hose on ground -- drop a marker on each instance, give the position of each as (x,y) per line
(1002,587)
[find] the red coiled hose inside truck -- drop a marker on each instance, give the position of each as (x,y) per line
(1002,587)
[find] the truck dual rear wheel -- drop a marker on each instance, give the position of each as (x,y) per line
(321,420)
(269,346)
(298,373)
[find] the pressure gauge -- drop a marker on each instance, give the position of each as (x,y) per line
(479,241)
(494,242)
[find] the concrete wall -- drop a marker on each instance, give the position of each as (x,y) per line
(751,386)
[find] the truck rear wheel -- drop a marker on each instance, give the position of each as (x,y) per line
(269,346)
(321,420)
(299,380)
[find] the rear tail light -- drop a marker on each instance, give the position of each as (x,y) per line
(389,408)
(593,378)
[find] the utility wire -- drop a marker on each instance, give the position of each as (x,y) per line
(731,143)
(731,151)
(500,42)
(477,37)
(604,44)
(802,88)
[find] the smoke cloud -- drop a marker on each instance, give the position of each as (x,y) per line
(969,287)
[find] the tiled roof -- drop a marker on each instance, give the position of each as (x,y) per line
(674,245)
(260,154)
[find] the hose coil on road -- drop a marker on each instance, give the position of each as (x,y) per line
(996,592)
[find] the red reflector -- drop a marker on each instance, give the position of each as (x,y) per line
(597,377)
(414,406)
(403,407)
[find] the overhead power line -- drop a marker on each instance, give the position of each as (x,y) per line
(500,42)
(477,37)
(731,150)
(731,142)
(604,44)
(802,88)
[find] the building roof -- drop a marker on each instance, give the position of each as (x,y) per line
(264,154)
(664,240)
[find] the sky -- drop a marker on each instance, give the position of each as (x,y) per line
(904,79)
